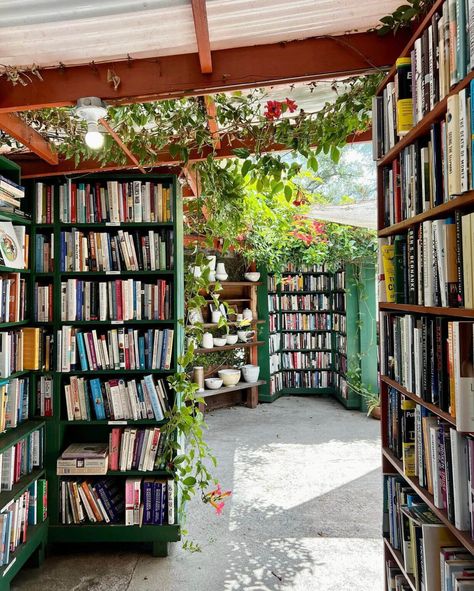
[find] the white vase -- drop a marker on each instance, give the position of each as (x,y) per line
(207,340)
(216,316)
(250,373)
(212,262)
(247,314)
(221,273)
(212,276)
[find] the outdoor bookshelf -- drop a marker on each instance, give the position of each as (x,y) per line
(60,431)
(444,205)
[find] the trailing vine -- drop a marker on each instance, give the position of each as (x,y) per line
(403,16)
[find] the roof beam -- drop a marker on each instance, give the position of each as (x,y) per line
(192,180)
(212,120)
(177,76)
(201,27)
(15,127)
(33,168)
(121,145)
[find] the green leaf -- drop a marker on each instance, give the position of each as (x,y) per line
(288,192)
(189,481)
(246,166)
(241,153)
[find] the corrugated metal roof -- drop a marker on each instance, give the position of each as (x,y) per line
(47,32)
(362,214)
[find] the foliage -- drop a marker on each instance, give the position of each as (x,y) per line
(404,15)
(22,75)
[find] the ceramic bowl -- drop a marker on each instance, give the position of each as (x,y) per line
(231,339)
(250,373)
(219,342)
(230,377)
(252,276)
(213,383)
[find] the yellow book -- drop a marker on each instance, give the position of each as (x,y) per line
(388,252)
(31,347)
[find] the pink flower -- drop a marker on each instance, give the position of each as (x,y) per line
(219,507)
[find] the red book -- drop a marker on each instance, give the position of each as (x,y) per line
(87,199)
(118,301)
(127,351)
(90,340)
(98,204)
(73,203)
(124,201)
(50,304)
(48,205)
(152,202)
(114,447)
(397,192)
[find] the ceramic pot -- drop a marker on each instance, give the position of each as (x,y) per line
(231,339)
(247,314)
(195,316)
(197,271)
(250,373)
(221,273)
(213,383)
(211,262)
(207,340)
(245,335)
(230,377)
(216,316)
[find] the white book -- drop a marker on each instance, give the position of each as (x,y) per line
(460,463)
(437,494)
(137,201)
(453,145)
(427,263)
(103,299)
(464,133)
(131,446)
(463,361)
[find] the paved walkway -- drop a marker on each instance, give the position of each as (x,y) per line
(305,514)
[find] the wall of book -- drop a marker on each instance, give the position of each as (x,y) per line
(107,273)
(423,121)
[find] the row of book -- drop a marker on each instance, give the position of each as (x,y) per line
(113,201)
(297,269)
(117,348)
(116,399)
(340,279)
(434,359)
(306,340)
(273,322)
(339,322)
(291,283)
(44,396)
(29,509)
(305,321)
(275,362)
(12,347)
(273,303)
(340,342)
(275,383)
(340,384)
(14,403)
(21,459)
(440,58)
(120,299)
(38,344)
(339,302)
(307,379)
(315,301)
(43,306)
(340,363)
(12,297)
(151,250)
(44,253)
(313,360)
(274,342)
(429,551)
(147,501)
(11,193)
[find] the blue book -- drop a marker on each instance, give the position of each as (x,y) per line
(141,352)
(461,40)
(82,351)
(32,506)
(39,253)
(148,490)
(153,396)
(157,501)
(96,395)
(6,538)
(164,502)
(164,346)
(62,258)
(141,399)
(150,348)
(79,299)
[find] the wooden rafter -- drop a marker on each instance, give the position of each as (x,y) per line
(15,127)
(212,120)
(121,145)
(201,26)
(32,168)
(192,180)
(177,76)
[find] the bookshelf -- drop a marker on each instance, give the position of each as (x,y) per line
(110,304)
(425,199)
(25,482)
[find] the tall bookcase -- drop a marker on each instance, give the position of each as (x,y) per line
(424,193)
(32,548)
(59,430)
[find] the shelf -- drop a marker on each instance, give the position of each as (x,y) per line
(14,435)
(108,372)
(238,300)
(13,376)
(313,291)
(44,274)
(225,284)
(12,270)
(461,202)
(113,532)
(14,324)
(463,536)
(112,423)
(7,496)
(15,218)
(146,474)
(229,347)
(430,310)
(305,311)
(431,407)
(214,324)
(118,274)
(305,273)
(113,322)
(225,389)
(306,330)
(112,225)
(398,558)
(306,350)
(307,369)
(424,126)
(34,535)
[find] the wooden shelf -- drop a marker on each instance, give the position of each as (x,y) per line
(117,274)
(109,372)
(225,284)
(460,202)
(14,218)
(229,347)
(12,436)
(431,407)
(398,558)
(119,225)
(4,269)
(463,536)
(226,389)
(7,496)
(429,310)
(214,324)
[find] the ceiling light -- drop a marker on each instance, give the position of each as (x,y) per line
(91,109)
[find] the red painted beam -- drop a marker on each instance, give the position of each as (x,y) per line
(201,26)
(212,120)
(177,76)
(16,128)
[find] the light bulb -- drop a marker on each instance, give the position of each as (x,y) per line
(94,139)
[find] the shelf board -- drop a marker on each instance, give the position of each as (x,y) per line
(34,535)
(112,225)
(431,407)
(285,293)
(307,369)
(306,330)
(238,300)
(14,435)
(112,423)
(13,376)
(108,372)
(305,311)
(19,488)
(225,284)
(113,322)
(12,270)
(460,202)
(15,218)
(225,389)
(113,532)
(148,473)
(398,558)
(14,324)
(463,536)
(305,350)
(214,324)
(229,347)
(118,274)
(429,310)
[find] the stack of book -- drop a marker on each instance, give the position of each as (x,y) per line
(21,459)
(300,360)
(83,459)
(14,403)
(307,340)
(12,297)
(27,510)
(128,251)
(316,301)
(136,449)
(291,283)
(117,348)
(116,399)
(44,253)
(115,202)
(149,501)
(11,195)
(306,321)
(122,299)
(100,500)
(44,203)
(44,396)
(37,352)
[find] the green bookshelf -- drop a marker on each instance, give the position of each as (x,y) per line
(61,432)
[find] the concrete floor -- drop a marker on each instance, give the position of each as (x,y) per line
(305,514)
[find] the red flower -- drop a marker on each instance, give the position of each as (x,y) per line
(292,106)
(318,227)
(272,110)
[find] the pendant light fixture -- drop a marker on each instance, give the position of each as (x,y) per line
(91,109)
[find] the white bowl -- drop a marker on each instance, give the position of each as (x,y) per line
(250,373)
(213,383)
(230,377)
(219,342)
(252,276)
(231,339)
